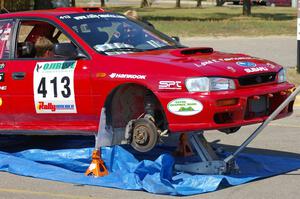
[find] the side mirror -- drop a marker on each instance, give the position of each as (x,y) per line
(68,51)
(175,38)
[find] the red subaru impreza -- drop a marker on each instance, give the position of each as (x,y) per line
(60,67)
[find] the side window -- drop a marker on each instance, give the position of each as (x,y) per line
(36,39)
(5,38)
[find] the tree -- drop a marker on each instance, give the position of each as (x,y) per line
(220,2)
(42,4)
(102,3)
(73,3)
(16,5)
(199,3)
(247,7)
(145,3)
(177,4)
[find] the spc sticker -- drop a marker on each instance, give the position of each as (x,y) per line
(170,85)
(53,85)
(185,107)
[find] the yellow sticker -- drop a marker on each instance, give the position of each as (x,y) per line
(1,101)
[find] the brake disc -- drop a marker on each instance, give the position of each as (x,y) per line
(144,135)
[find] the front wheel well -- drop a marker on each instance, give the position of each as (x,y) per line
(128,101)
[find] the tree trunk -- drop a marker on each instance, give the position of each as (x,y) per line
(102,3)
(220,2)
(144,4)
(73,3)
(247,7)
(42,4)
(199,3)
(177,4)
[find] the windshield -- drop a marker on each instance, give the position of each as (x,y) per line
(113,34)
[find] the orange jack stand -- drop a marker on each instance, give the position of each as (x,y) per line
(97,167)
(184,148)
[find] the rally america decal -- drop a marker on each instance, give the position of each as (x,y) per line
(53,85)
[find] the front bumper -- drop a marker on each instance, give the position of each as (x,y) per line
(242,113)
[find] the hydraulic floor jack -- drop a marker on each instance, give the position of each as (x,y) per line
(210,162)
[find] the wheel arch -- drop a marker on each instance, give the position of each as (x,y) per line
(127,101)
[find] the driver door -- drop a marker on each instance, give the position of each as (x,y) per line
(51,93)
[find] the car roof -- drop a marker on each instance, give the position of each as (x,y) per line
(53,12)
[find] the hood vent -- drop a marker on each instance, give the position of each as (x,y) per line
(192,51)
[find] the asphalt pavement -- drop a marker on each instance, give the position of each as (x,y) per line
(280,137)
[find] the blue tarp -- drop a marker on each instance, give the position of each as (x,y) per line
(128,171)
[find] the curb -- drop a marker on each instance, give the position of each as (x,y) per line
(297,101)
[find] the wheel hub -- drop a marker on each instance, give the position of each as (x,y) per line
(141,135)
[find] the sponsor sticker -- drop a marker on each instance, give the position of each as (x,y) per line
(231,69)
(53,85)
(4,34)
(2,75)
(3,88)
(170,85)
(2,66)
(272,66)
(126,76)
(54,107)
(185,107)
(256,69)
(98,16)
(211,61)
(246,64)
(1,101)
(65,17)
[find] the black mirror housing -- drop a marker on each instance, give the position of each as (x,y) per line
(175,38)
(67,50)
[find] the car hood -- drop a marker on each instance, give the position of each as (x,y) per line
(204,62)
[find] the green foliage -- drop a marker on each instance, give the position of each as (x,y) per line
(220,21)
(293,76)
(17,5)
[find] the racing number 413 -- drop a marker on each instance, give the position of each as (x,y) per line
(66,92)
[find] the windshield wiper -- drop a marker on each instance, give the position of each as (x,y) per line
(130,49)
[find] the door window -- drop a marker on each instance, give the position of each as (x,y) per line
(36,39)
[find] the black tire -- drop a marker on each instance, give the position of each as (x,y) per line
(144,135)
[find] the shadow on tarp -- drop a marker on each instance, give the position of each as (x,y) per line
(65,159)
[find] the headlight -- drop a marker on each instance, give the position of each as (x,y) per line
(281,77)
(203,84)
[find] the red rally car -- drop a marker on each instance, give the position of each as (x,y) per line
(59,68)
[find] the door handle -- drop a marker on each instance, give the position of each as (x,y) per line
(18,75)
